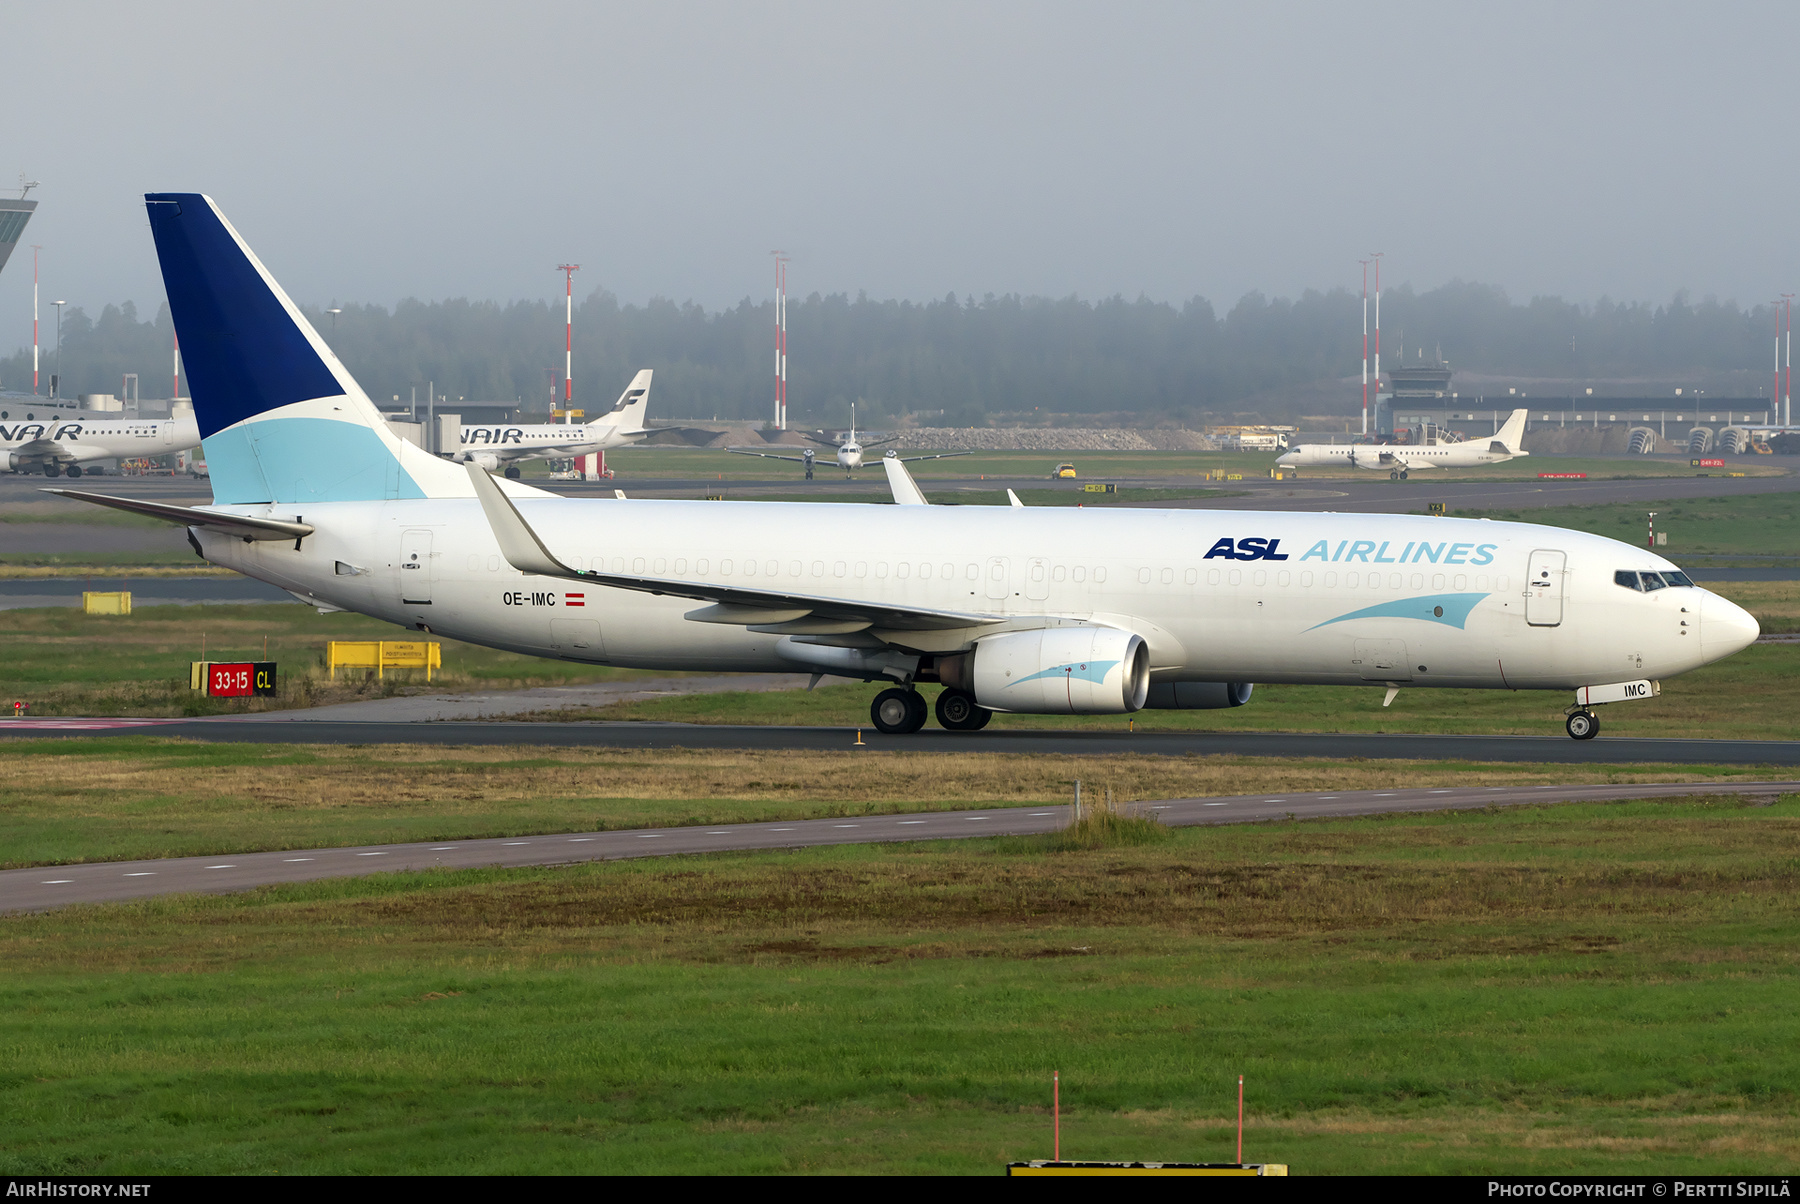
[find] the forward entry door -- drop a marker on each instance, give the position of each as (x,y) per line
(415,568)
(1544,588)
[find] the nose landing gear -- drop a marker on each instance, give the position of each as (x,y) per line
(1582,725)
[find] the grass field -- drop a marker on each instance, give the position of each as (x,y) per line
(1752,524)
(142,796)
(1535,990)
(64,662)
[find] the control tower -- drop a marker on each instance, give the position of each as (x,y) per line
(14,213)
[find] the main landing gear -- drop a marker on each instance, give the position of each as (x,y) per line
(1397,474)
(902,711)
(1582,725)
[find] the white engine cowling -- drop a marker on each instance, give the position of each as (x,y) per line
(487,461)
(1198,695)
(1062,671)
(13,463)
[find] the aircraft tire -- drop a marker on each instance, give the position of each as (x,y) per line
(512,474)
(1393,475)
(1582,725)
(74,470)
(1403,474)
(51,470)
(898,712)
(957,711)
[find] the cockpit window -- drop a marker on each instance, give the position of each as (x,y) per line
(1650,581)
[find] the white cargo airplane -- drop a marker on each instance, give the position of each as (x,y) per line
(1054,610)
(1397,460)
(849,451)
(494,447)
(59,445)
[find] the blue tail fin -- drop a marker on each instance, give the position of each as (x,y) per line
(280,417)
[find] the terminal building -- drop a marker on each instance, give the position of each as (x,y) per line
(1417,404)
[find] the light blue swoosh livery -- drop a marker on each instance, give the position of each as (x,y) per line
(1094,671)
(1456,608)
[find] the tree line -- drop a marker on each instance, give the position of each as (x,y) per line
(955,361)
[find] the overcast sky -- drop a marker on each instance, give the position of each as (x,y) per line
(372,151)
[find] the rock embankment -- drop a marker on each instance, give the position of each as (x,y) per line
(948,438)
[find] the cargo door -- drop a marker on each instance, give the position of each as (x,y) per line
(578,638)
(1381,660)
(415,568)
(1544,580)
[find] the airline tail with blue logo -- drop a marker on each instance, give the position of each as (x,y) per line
(280,418)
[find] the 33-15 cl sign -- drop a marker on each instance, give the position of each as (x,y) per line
(240,680)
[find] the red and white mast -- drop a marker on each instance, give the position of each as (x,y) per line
(1365,268)
(35,248)
(1787,385)
(1376,257)
(780,340)
(568,270)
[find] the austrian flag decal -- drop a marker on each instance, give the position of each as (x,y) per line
(574,599)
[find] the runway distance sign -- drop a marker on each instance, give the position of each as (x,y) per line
(241,679)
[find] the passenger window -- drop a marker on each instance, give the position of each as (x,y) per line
(700,567)
(1191,576)
(1100,573)
(1330,580)
(1212,576)
(1627,579)
(725,568)
(680,565)
(1282,578)
(1058,573)
(1143,576)
(1351,580)
(1080,573)
(1259,578)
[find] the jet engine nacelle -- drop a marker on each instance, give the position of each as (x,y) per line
(1061,671)
(12,463)
(486,461)
(1198,695)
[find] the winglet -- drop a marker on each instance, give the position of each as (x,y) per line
(518,542)
(906,490)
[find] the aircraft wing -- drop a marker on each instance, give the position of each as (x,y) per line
(188,516)
(742,451)
(775,611)
(833,444)
(48,449)
(934,456)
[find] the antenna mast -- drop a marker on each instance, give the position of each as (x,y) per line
(1365,268)
(568,270)
(1375,256)
(35,248)
(781,263)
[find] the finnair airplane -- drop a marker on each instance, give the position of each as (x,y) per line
(495,446)
(59,445)
(1397,460)
(1037,610)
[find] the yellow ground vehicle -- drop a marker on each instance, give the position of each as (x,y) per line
(1063,472)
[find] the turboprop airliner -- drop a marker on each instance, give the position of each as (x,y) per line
(58,445)
(1398,460)
(849,451)
(506,446)
(1038,610)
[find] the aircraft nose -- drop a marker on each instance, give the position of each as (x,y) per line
(1725,627)
(1286,457)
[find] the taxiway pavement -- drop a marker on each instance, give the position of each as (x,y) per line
(42,888)
(1549,749)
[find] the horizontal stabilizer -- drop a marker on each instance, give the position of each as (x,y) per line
(188,516)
